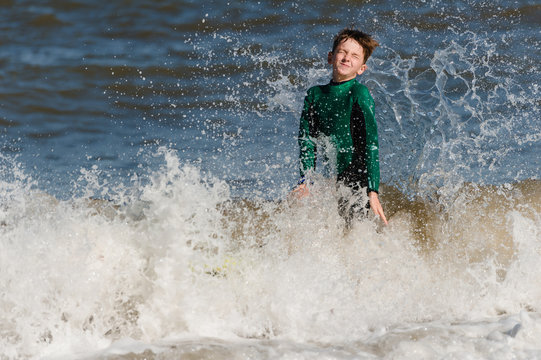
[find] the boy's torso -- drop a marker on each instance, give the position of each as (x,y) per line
(333,106)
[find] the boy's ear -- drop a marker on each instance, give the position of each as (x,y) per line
(362,69)
(329,57)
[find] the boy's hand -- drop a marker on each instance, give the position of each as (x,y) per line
(375,205)
(300,191)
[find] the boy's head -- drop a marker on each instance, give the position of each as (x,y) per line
(351,49)
(365,40)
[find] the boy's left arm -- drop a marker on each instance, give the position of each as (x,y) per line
(372,155)
(372,146)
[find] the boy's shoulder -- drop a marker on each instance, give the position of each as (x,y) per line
(359,89)
(315,92)
(361,94)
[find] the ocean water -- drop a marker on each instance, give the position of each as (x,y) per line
(148,149)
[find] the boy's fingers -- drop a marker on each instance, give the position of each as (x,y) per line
(382,215)
(378,210)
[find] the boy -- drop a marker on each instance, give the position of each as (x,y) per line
(342,112)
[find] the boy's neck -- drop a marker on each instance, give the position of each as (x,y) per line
(335,82)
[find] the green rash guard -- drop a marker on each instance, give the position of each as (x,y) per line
(344,113)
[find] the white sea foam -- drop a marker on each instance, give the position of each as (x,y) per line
(182,268)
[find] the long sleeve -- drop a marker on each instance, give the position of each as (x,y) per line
(372,147)
(308,131)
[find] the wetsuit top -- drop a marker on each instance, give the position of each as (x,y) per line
(344,114)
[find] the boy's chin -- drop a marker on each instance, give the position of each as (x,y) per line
(345,75)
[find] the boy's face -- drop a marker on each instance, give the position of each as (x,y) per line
(347,60)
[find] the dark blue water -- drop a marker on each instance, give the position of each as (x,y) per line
(82,86)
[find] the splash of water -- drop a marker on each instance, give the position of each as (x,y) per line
(183,258)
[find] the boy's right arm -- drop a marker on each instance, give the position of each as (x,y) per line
(307,147)
(307,133)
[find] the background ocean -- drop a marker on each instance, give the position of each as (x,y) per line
(148,148)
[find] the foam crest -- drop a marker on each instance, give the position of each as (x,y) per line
(178,257)
(75,272)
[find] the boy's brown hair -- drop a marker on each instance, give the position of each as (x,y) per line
(365,40)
